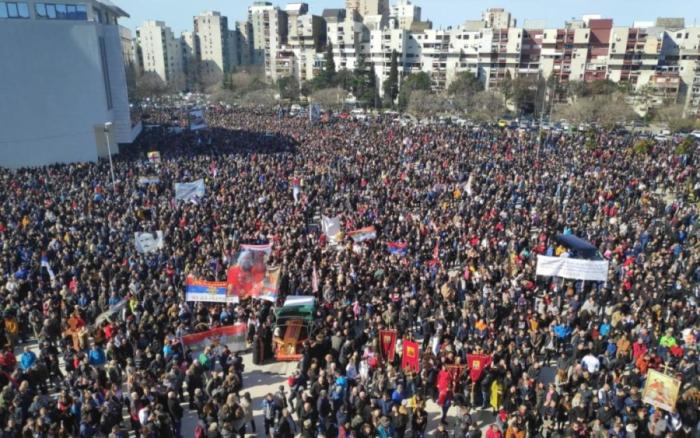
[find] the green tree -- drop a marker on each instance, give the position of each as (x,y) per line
(288,88)
(365,82)
(391,85)
(506,87)
(465,84)
(411,83)
(329,68)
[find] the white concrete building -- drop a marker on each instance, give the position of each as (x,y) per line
(348,35)
(269,25)
(216,50)
(161,52)
(405,13)
(62,80)
(306,40)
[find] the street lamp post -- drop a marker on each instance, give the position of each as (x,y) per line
(108,126)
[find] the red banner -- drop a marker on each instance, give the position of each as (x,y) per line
(387,344)
(477,363)
(456,371)
(411,356)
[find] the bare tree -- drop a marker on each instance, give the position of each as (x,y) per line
(150,84)
(265,97)
(423,103)
(329,98)
(605,110)
(486,106)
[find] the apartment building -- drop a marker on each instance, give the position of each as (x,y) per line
(216,45)
(269,31)
(366,8)
(160,52)
(406,14)
(306,42)
(62,118)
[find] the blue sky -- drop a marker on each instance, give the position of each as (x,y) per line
(178,13)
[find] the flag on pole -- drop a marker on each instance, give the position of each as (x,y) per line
(477,364)
(45,264)
(314,281)
(398,248)
(387,344)
(331,228)
(363,234)
(410,356)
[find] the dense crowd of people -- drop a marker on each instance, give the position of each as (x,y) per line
(474,206)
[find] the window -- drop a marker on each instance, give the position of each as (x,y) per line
(105,73)
(81,12)
(61,12)
(51,11)
(40,10)
(71,12)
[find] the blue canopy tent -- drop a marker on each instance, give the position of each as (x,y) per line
(580,248)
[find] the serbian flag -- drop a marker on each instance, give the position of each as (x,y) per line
(232,336)
(367,233)
(398,248)
(208,291)
(411,356)
(477,363)
(387,344)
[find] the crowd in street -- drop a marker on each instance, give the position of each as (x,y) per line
(474,206)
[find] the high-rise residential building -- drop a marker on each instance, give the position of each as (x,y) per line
(498,18)
(306,40)
(160,52)
(245,42)
(216,50)
(368,7)
(269,25)
(405,13)
(71,114)
(347,35)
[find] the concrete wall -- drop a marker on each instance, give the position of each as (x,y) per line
(53,93)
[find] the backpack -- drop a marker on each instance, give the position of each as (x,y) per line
(199,431)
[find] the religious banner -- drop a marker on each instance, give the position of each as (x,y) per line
(248,276)
(661,390)
(147,243)
(268,288)
(363,234)
(153,157)
(410,359)
(477,364)
(208,291)
(387,344)
(233,336)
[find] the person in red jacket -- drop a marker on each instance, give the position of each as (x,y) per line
(493,432)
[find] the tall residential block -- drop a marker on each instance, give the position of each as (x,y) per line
(217,51)
(160,52)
